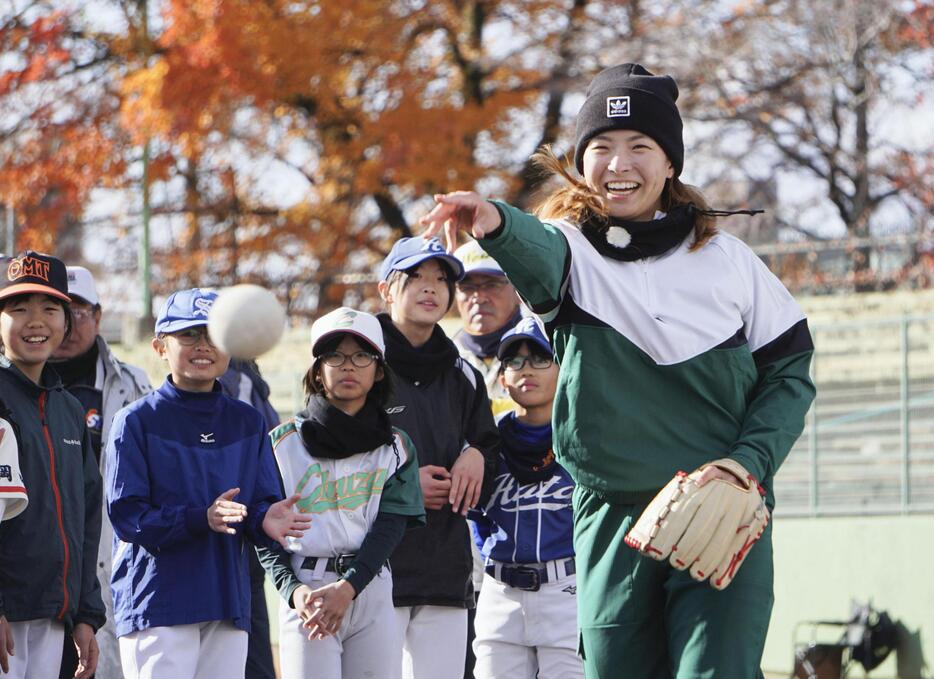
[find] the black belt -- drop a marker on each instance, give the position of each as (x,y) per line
(529,578)
(335,564)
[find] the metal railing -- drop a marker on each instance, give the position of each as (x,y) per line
(868,444)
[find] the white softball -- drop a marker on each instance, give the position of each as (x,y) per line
(246,321)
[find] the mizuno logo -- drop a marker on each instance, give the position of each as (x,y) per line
(208,438)
(395,410)
(617,107)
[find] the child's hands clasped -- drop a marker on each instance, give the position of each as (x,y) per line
(325,608)
(282,522)
(225,511)
(466,480)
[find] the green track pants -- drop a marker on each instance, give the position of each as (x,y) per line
(642,619)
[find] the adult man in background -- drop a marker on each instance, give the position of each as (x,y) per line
(103,385)
(489,308)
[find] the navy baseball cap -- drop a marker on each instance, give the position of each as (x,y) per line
(33,272)
(526,330)
(185,309)
(409,252)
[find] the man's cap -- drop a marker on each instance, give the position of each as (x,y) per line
(33,272)
(629,97)
(410,252)
(476,260)
(526,330)
(185,309)
(360,324)
(81,285)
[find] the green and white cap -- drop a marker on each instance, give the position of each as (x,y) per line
(346,320)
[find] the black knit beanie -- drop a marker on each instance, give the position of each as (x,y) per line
(628,97)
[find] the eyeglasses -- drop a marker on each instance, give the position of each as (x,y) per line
(489,287)
(189,337)
(536,361)
(360,359)
(81,314)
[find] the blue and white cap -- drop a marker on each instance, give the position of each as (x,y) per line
(409,252)
(526,330)
(185,309)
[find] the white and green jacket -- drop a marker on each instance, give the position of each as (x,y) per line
(667,362)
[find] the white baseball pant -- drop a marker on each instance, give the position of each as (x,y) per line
(205,650)
(525,634)
(433,641)
(38,648)
(363,647)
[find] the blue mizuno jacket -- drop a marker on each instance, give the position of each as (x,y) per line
(169,456)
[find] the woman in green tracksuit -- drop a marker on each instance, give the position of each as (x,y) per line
(677,348)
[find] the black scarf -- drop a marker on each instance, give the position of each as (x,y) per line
(485,346)
(330,432)
(80,369)
(628,241)
(527,450)
(417,364)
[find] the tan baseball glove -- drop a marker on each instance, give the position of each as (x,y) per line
(708,529)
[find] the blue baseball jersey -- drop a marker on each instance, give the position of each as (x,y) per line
(525,523)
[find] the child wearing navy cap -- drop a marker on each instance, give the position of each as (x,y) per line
(190,478)
(48,582)
(441,402)
(527,612)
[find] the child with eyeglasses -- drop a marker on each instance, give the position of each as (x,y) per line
(190,481)
(526,621)
(357,476)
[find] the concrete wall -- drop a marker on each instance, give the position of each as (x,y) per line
(822,564)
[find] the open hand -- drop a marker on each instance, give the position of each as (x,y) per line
(282,522)
(466,480)
(225,511)
(460,211)
(436,485)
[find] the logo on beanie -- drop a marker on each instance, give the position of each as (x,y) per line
(28,266)
(617,107)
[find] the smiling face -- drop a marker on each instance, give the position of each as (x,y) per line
(32,326)
(629,170)
(346,386)
(193,361)
(530,387)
